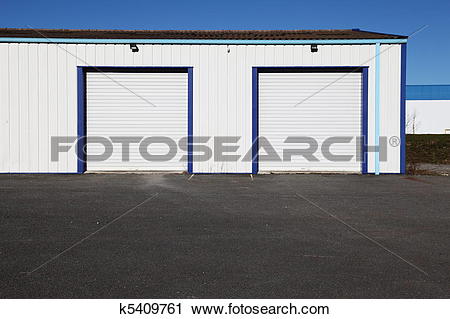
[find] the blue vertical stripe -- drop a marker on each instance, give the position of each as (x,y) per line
(190,118)
(403,110)
(255,128)
(364,126)
(377,108)
(81,120)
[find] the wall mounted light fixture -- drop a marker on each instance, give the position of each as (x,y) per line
(134,47)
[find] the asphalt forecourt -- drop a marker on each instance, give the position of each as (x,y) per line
(224,236)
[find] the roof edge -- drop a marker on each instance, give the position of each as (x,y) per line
(398,36)
(297,34)
(197,41)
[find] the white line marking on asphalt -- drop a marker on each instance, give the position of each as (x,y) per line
(190,177)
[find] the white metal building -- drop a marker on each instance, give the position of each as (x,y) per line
(192,84)
(428,109)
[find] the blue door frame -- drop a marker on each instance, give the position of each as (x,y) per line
(81,81)
(403,110)
(309,69)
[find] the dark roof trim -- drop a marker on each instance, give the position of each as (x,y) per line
(351,34)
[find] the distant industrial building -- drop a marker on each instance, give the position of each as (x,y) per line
(428,109)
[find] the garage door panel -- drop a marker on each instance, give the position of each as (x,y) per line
(317,105)
(137,104)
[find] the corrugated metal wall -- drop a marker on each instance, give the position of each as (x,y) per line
(38,93)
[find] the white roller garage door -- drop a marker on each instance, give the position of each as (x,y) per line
(317,105)
(136,105)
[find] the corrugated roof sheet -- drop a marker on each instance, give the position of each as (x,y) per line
(198,34)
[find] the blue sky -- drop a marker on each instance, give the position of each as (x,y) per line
(428,50)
